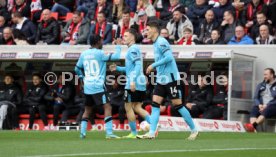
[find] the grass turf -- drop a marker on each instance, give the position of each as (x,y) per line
(65,144)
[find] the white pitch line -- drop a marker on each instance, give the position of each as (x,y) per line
(150,152)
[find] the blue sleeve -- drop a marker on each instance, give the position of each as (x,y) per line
(166,51)
(79,67)
(112,56)
(121,69)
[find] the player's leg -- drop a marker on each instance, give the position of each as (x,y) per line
(142,112)
(131,120)
(85,117)
(254,114)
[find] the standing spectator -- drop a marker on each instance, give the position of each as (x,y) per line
(23,7)
(104,7)
(199,98)
(239,6)
(188,38)
(197,12)
(6,38)
(264,101)
(124,24)
(19,38)
(132,5)
(215,38)
(48,30)
(2,24)
(36,9)
(76,30)
(63,6)
(261,20)
(25,26)
(240,37)
(87,7)
(117,11)
(164,32)
(34,99)
(265,38)
(206,27)
(177,24)
(102,28)
(225,5)
(145,6)
(167,12)
(4,12)
(228,25)
(162,6)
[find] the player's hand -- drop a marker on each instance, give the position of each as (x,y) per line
(189,105)
(149,69)
(132,87)
(112,67)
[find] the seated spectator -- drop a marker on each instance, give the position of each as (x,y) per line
(240,37)
(2,24)
(224,5)
(34,99)
(228,26)
(4,12)
(197,12)
(261,20)
(23,7)
(104,7)
(48,31)
(188,38)
(145,5)
(199,98)
(265,38)
(76,30)
(178,24)
(25,26)
(250,12)
(19,38)
(10,101)
(140,26)
(167,9)
(132,4)
(264,101)
(124,24)
(63,7)
(36,9)
(101,28)
(206,26)
(61,96)
(117,11)
(218,109)
(7,38)
(87,7)
(215,38)
(164,32)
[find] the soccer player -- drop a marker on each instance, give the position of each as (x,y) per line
(167,82)
(136,82)
(93,63)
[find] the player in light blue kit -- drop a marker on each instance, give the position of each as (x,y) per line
(136,82)
(167,82)
(93,63)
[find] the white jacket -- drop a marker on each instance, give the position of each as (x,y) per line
(183,23)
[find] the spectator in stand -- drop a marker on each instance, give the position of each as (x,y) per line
(132,4)
(228,25)
(215,38)
(218,109)
(162,6)
(101,28)
(265,38)
(48,31)
(6,38)
(87,7)
(240,37)
(76,30)
(145,5)
(188,38)
(200,97)
(104,7)
(206,26)
(264,101)
(250,12)
(197,12)
(47,4)
(272,13)
(36,9)
(23,7)
(2,24)
(166,13)
(164,32)
(25,26)
(117,11)
(4,12)
(124,24)
(19,38)
(225,5)
(261,20)
(140,26)
(34,99)
(61,96)
(177,24)
(239,6)
(63,7)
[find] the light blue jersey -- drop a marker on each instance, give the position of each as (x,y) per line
(93,62)
(164,62)
(134,68)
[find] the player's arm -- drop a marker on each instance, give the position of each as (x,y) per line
(121,69)
(79,67)
(112,56)
(167,52)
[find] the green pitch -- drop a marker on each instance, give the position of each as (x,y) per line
(173,144)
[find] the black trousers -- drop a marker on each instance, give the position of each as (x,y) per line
(196,111)
(215,112)
(41,109)
(15,112)
(66,112)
